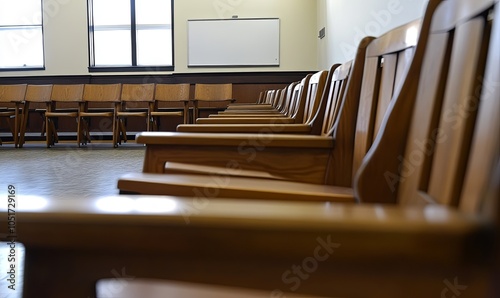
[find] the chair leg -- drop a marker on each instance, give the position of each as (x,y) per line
(48,134)
(53,130)
(79,130)
(115,124)
(123,130)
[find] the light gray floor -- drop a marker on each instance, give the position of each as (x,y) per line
(64,172)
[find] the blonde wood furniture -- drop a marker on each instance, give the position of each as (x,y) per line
(72,97)
(315,97)
(107,94)
(292,112)
(169,93)
(211,93)
(132,94)
(34,94)
(421,152)
(318,159)
(307,248)
(12,95)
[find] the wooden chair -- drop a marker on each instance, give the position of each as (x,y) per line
(132,94)
(312,103)
(211,93)
(443,238)
(34,94)
(292,112)
(317,159)
(98,93)
(12,95)
(69,95)
(331,95)
(169,93)
(437,141)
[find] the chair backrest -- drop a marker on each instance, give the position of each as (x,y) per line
(298,99)
(38,93)
(378,70)
(67,93)
(137,92)
(333,98)
(102,92)
(213,91)
(12,93)
(288,99)
(172,92)
(439,143)
(314,95)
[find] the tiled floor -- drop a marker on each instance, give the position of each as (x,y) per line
(63,171)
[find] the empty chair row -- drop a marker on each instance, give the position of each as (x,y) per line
(121,101)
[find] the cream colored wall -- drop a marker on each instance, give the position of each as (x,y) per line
(298,44)
(347,21)
(66,47)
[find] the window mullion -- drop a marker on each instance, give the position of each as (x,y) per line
(133,32)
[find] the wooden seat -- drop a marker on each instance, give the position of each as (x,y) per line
(318,159)
(443,238)
(312,103)
(132,94)
(169,93)
(331,96)
(12,95)
(437,142)
(98,93)
(71,96)
(292,110)
(34,94)
(211,93)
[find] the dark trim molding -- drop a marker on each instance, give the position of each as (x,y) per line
(278,77)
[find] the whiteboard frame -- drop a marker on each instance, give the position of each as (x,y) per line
(272,58)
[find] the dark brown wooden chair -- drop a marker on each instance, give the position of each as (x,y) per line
(69,97)
(107,96)
(12,96)
(131,96)
(211,93)
(441,238)
(315,99)
(318,159)
(35,94)
(168,94)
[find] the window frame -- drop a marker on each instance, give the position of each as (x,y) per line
(133,39)
(17,27)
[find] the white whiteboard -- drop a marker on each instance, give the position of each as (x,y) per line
(234,42)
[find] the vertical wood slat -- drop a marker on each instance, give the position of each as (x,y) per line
(366,110)
(483,159)
(456,118)
(423,133)
(386,90)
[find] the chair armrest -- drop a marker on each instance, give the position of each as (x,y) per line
(356,250)
(258,152)
(246,128)
(226,186)
(234,139)
(244,120)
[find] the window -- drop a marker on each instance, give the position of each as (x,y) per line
(128,35)
(21,35)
